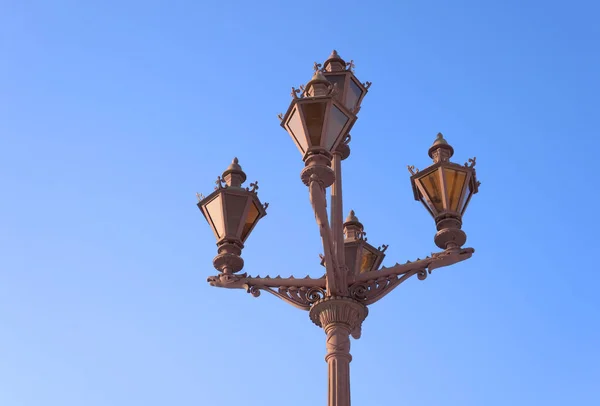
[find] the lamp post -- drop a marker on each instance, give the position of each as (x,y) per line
(319,120)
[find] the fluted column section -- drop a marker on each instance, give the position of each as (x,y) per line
(340,317)
(338,359)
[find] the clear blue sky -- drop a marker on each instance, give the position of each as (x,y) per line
(113,114)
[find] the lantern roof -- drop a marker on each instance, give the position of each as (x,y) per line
(440,143)
(234,175)
(334,62)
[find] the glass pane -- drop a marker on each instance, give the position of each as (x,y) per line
(466,200)
(314,115)
(431,184)
(351,251)
(251,219)
(339,81)
(296,129)
(368,260)
(455,182)
(235,205)
(214,208)
(337,121)
(354,93)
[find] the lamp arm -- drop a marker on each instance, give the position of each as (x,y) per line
(299,292)
(370,287)
(318,200)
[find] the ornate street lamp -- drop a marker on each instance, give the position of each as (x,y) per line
(319,120)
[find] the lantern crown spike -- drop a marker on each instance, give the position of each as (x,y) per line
(234,176)
(334,63)
(353,228)
(318,85)
(440,151)
(352,217)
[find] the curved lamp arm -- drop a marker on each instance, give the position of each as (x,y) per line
(369,287)
(366,288)
(299,292)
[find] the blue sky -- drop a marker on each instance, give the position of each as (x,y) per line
(113,114)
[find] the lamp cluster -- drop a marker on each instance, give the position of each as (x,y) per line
(319,119)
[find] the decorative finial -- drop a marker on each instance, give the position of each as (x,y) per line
(352,217)
(234,166)
(318,75)
(350,66)
(440,139)
(334,63)
(353,229)
(234,175)
(440,150)
(318,85)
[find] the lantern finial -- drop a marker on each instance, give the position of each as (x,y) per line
(441,151)
(334,63)
(352,217)
(234,176)
(318,85)
(353,228)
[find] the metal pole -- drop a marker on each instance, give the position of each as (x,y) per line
(339,317)
(337,212)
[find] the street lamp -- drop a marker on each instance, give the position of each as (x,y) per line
(319,119)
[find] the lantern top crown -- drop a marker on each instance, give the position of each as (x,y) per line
(318,85)
(352,217)
(440,150)
(234,176)
(334,63)
(353,228)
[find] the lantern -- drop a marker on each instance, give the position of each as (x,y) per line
(359,255)
(316,120)
(445,189)
(350,91)
(232,212)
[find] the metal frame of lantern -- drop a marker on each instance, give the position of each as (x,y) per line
(337,302)
(350,91)
(445,189)
(232,212)
(317,122)
(361,256)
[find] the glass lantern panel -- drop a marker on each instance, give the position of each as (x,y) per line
(431,184)
(337,122)
(466,199)
(235,206)
(296,130)
(354,93)
(338,82)
(314,116)
(455,183)
(251,220)
(351,252)
(214,210)
(368,260)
